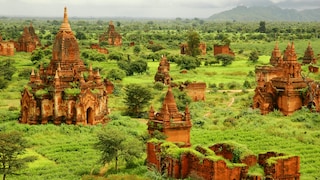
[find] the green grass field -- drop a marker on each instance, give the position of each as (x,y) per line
(66,152)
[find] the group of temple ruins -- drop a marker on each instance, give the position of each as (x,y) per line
(61,93)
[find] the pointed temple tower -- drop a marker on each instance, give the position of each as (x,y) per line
(28,40)
(275,55)
(162,74)
(60,93)
(175,125)
(280,86)
(308,57)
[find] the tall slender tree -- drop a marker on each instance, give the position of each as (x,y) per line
(193,41)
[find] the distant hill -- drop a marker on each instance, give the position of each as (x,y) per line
(267,13)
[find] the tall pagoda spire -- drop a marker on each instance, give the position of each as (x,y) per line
(65,26)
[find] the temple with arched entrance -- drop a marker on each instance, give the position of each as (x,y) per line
(66,91)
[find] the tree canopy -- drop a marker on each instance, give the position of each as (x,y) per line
(137,97)
(115,143)
(12,144)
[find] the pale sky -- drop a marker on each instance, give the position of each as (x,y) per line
(138,8)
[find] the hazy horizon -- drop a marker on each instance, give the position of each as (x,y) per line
(138,8)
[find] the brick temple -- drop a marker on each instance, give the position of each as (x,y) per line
(174,124)
(61,93)
(281,85)
(175,158)
(28,41)
(6,47)
(112,37)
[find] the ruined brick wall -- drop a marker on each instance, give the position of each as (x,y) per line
(6,48)
(152,159)
(222,49)
(99,49)
(284,167)
(203,48)
(196,91)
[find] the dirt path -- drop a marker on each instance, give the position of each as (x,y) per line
(231,102)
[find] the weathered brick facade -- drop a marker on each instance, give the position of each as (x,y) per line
(222,49)
(218,163)
(28,41)
(6,48)
(280,86)
(111,36)
(60,93)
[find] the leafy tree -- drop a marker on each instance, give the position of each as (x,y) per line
(136,49)
(7,69)
(37,56)
(155,47)
(115,143)
(12,145)
(125,65)
(193,40)
(262,27)
(115,56)
(137,97)
(139,66)
(187,62)
(116,74)
(254,56)
(80,35)
(226,59)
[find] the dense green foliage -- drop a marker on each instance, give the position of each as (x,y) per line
(115,144)
(137,97)
(12,145)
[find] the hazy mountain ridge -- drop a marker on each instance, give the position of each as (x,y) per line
(267,13)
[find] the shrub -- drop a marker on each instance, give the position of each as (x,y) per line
(226,59)
(158,86)
(116,74)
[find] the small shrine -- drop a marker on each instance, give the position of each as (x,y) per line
(162,74)
(66,91)
(174,124)
(111,36)
(309,57)
(28,41)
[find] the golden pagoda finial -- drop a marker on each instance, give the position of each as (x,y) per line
(65,26)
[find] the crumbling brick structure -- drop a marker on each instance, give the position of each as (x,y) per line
(219,162)
(111,36)
(280,86)
(162,74)
(6,48)
(60,93)
(222,49)
(202,48)
(28,41)
(175,125)
(196,90)
(99,49)
(175,158)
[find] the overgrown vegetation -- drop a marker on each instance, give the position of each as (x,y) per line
(67,152)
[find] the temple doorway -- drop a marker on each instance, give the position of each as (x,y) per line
(90,116)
